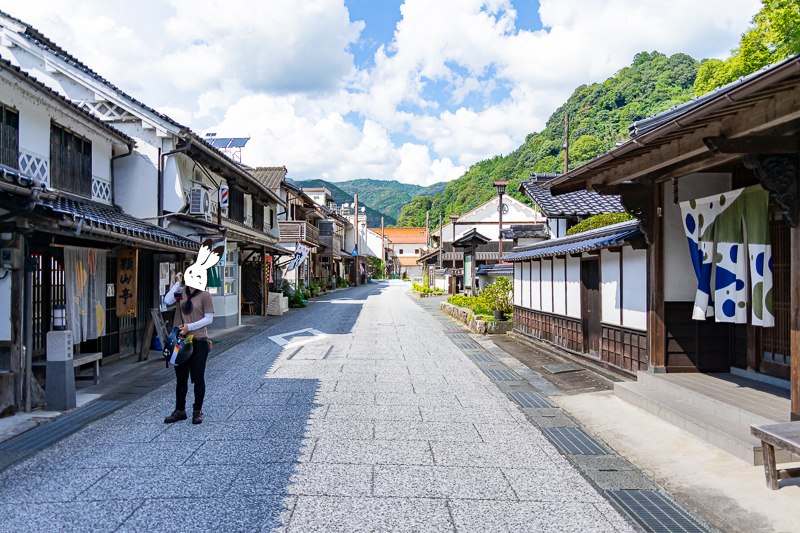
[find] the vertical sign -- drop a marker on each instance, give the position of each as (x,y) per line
(127,268)
(268,269)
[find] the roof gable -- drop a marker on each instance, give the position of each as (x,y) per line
(270,176)
(578,203)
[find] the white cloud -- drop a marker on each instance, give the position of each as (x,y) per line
(281,71)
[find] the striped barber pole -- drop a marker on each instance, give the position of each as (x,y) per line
(223,196)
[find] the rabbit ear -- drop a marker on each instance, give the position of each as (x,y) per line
(205,250)
(213,258)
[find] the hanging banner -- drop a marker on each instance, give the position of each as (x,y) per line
(85,280)
(127,269)
(268,269)
(300,254)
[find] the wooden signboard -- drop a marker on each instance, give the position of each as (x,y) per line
(127,269)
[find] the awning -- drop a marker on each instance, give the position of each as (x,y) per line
(605,237)
(112,223)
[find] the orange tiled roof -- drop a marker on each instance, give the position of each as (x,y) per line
(404,235)
(408,261)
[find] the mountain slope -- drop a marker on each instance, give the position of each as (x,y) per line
(342,197)
(599,115)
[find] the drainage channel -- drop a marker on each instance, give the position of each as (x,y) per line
(621,483)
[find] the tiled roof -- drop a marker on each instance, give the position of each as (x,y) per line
(404,235)
(270,176)
(408,261)
(496,269)
(578,203)
(5,65)
(114,221)
(605,237)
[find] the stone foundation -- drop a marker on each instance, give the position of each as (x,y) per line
(476,323)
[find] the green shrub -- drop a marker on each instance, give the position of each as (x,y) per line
(497,296)
(599,221)
(420,288)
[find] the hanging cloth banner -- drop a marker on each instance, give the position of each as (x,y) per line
(716,227)
(85,280)
(300,253)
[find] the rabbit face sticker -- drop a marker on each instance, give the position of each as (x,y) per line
(196,276)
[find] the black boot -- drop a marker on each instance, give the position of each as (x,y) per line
(176,415)
(197,417)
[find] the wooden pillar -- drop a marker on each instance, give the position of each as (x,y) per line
(795,318)
(656,338)
(17,281)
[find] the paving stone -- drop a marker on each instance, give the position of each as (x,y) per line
(475,415)
(562,517)
(602,462)
(228,430)
(427,431)
(321,479)
(45,485)
(210,514)
(550,483)
(442,482)
(251,452)
(372,452)
(166,481)
(89,517)
(273,480)
(375,412)
(483,454)
(336,514)
(339,428)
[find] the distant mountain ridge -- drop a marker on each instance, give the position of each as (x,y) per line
(380,197)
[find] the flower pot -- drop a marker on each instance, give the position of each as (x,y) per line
(499,315)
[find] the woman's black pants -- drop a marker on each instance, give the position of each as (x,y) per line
(196,366)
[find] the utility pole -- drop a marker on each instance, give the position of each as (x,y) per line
(566,143)
(383,244)
(427,228)
(441,239)
(355,258)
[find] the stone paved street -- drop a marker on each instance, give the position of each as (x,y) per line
(380,424)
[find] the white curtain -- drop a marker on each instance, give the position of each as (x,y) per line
(85,280)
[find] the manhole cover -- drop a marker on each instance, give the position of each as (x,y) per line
(559,368)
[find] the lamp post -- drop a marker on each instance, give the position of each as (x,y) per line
(453,219)
(500,185)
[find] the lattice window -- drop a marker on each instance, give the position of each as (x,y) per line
(70,161)
(101,190)
(107,111)
(38,167)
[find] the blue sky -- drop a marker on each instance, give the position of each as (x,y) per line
(413,90)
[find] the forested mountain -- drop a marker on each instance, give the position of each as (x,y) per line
(599,116)
(380,197)
(342,197)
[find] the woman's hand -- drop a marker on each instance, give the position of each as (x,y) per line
(184,330)
(177,278)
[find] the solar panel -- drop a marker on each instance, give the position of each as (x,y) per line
(238,142)
(221,142)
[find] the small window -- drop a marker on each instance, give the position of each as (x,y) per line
(271,219)
(9,137)
(70,161)
(400,251)
(416,252)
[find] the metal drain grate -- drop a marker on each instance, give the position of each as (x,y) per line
(530,399)
(574,441)
(655,512)
(468,346)
(42,436)
(501,375)
(457,335)
(482,357)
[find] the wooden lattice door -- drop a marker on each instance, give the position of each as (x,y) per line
(253,284)
(775,343)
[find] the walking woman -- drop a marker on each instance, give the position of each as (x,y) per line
(195,311)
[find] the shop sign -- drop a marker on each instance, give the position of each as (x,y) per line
(127,269)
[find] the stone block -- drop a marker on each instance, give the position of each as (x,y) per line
(275,303)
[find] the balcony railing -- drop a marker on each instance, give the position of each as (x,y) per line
(298,230)
(333,244)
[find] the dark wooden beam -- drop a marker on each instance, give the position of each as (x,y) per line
(656,329)
(763,144)
(794,371)
(567,187)
(624,188)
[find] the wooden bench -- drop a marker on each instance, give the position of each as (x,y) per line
(784,436)
(85,359)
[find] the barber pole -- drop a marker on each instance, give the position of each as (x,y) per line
(223,196)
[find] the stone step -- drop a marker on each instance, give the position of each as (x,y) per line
(731,408)
(729,436)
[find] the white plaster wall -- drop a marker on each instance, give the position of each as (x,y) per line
(634,288)
(517,283)
(526,284)
(680,281)
(547,285)
(536,285)
(574,287)
(559,286)
(609,288)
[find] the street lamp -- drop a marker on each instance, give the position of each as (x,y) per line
(500,185)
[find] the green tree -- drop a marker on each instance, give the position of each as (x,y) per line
(774,34)
(585,148)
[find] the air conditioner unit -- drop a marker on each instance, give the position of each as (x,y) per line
(200,202)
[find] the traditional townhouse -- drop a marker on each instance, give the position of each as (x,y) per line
(174,178)
(407,245)
(713,184)
(68,248)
